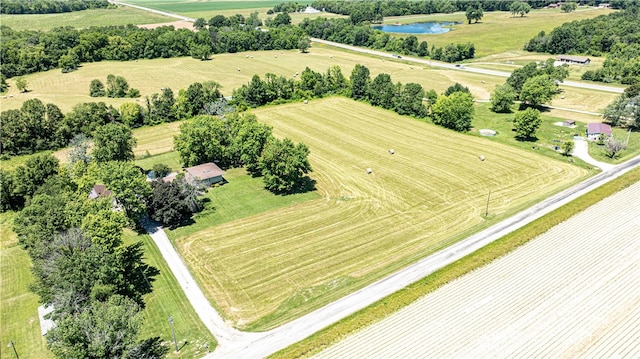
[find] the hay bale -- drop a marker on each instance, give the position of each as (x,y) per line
(481,158)
(391,151)
(306,102)
(369,170)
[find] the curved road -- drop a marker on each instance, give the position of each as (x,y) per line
(233,343)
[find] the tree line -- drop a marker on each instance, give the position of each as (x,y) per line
(29,51)
(49,6)
(95,283)
(617,35)
(37,126)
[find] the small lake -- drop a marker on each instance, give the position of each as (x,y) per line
(430,27)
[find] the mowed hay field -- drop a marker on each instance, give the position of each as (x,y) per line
(149,76)
(571,292)
(264,270)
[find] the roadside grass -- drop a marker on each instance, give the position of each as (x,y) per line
(168,299)
(633,146)
(19,320)
(241,197)
(391,304)
(264,270)
(83,19)
(498,32)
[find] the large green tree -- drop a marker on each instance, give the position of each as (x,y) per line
(474,12)
(202,139)
(454,111)
(359,82)
(526,123)
(502,98)
(538,90)
(113,142)
(519,8)
(285,166)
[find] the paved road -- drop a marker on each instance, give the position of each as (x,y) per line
(302,327)
(463,67)
(237,344)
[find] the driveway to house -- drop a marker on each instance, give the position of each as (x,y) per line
(581,150)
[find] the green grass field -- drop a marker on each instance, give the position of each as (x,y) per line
(18,306)
(498,33)
(269,268)
(83,19)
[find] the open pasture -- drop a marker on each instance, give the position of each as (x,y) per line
(571,292)
(149,76)
(83,19)
(267,269)
(498,32)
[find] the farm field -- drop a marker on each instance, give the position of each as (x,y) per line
(571,292)
(264,270)
(498,33)
(149,76)
(83,19)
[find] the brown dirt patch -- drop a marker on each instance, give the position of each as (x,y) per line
(181,24)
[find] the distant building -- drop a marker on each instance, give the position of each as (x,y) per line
(594,130)
(570,59)
(569,123)
(604,6)
(310,10)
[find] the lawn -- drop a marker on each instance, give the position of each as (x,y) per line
(168,299)
(83,19)
(498,33)
(18,305)
(267,269)
(631,139)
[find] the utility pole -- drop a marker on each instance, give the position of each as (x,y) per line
(14,348)
(486,212)
(175,341)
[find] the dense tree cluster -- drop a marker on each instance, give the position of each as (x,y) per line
(453,52)
(616,34)
(37,126)
(34,127)
(533,84)
(624,111)
(173,202)
(238,139)
(80,265)
(49,6)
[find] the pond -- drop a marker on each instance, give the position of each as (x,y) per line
(430,27)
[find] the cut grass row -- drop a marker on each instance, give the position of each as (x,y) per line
(270,268)
(83,19)
(478,259)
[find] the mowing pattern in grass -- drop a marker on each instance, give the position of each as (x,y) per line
(168,299)
(487,254)
(572,291)
(83,19)
(18,305)
(283,263)
(186,7)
